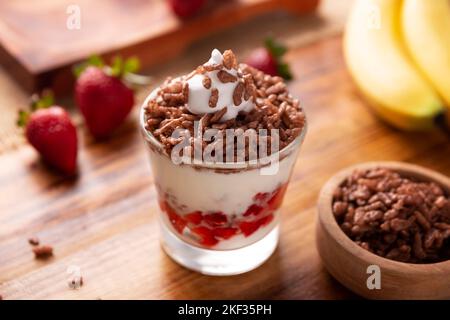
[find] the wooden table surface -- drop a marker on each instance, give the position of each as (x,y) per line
(105,220)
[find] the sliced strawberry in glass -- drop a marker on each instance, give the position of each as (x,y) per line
(249,227)
(266,220)
(209,241)
(225,233)
(162,204)
(254,209)
(206,236)
(261,196)
(178,223)
(215,219)
(168,208)
(202,231)
(194,217)
(276,200)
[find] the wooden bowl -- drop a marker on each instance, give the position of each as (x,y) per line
(348,262)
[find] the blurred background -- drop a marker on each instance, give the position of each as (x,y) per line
(40,42)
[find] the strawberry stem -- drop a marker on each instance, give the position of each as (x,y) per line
(118,68)
(277,51)
(23,118)
(131,65)
(45,100)
(94,60)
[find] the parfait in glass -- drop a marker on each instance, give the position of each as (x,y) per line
(222,141)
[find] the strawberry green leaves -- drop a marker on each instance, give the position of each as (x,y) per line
(284,71)
(93,60)
(277,51)
(131,65)
(45,100)
(116,67)
(119,67)
(23,118)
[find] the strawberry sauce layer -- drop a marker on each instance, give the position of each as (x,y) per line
(209,228)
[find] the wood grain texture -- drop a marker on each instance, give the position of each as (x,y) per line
(105,220)
(38,48)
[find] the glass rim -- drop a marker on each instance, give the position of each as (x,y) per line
(245,165)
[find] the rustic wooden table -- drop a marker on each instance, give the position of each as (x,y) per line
(105,222)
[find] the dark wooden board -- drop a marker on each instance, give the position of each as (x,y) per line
(38,49)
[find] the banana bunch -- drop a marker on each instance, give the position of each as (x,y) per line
(398,53)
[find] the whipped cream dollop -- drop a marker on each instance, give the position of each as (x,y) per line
(219,84)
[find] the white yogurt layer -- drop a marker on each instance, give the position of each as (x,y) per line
(198,102)
(209,191)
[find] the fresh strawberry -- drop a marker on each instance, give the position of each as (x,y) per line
(102,96)
(186,8)
(51,132)
(263,60)
(268,59)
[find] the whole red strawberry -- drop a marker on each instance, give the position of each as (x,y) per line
(103,98)
(51,132)
(268,59)
(186,8)
(263,60)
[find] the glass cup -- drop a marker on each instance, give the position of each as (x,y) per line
(220,218)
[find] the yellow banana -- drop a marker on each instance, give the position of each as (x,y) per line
(381,68)
(426,29)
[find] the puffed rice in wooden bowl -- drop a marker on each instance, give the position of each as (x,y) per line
(349,263)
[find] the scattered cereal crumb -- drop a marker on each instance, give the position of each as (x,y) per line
(75,282)
(43,251)
(34,241)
